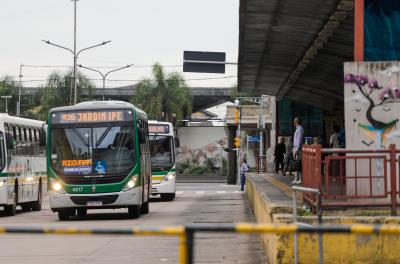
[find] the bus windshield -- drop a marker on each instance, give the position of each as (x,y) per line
(162,154)
(93,150)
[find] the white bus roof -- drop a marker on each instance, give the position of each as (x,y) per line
(5,118)
(89,105)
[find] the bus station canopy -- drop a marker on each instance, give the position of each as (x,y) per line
(295,49)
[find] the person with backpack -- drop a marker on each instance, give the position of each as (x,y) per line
(243,169)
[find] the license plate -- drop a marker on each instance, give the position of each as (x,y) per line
(94,203)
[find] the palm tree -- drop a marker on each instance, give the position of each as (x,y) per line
(164,96)
(57,92)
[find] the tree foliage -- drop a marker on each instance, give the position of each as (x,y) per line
(58,91)
(164,95)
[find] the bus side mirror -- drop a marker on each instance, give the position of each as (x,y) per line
(10,142)
(177,143)
(42,138)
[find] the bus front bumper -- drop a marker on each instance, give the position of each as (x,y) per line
(167,187)
(95,201)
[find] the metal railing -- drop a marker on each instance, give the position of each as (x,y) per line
(186,233)
(348,178)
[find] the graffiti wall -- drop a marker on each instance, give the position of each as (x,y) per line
(372,113)
(372,104)
(201,150)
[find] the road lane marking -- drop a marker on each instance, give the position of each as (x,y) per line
(200,192)
(221,192)
(180,192)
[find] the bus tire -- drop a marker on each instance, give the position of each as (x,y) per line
(81,211)
(133,211)
(144,209)
(64,214)
(11,209)
(167,196)
(37,205)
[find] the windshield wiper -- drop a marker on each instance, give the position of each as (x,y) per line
(80,137)
(102,137)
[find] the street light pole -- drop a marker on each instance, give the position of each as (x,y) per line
(104,75)
(75,55)
(75,58)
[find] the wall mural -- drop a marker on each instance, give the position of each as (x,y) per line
(372,112)
(376,129)
(372,104)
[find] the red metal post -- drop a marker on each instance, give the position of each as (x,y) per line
(359,30)
(318,166)
(393,180)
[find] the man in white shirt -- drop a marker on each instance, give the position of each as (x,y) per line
(298,141)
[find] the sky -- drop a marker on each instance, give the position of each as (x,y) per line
(142,32)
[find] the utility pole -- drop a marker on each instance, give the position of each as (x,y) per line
(19,90)
(6,97)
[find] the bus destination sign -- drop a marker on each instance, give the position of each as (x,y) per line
(92,116)
(158,129)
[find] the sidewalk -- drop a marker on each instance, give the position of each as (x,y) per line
(283,183)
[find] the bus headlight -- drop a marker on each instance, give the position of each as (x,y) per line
(2,183)
(56,186)
(169,177)
(131,184)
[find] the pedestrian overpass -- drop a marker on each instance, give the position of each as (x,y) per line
(203,97)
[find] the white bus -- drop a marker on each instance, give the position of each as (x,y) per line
(22,163)
(162,147)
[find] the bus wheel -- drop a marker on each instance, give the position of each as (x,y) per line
(167,196)
(144,209)
(64,214)
(37,205)
(11,209)
(133,211)
(81,211)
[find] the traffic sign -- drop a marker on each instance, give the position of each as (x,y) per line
(253,138)
(202,61)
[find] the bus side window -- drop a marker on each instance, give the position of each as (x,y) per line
(26,142)
(2,152)
(42,141)
(18,140)
(10,143)
(36,139)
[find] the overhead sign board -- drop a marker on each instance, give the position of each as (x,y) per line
(204,61)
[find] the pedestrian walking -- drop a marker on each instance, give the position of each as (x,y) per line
(298,141)
(243,169)
(279,153)
(288,157)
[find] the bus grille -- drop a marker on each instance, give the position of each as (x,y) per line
(102,180)
(105,199)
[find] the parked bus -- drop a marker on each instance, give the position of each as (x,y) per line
(162,146)
(22,163)
(98,157)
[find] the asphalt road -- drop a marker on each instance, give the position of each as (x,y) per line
(195,203)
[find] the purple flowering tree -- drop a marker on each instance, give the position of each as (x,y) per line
(368,87)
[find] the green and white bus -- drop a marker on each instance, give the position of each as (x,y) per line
(162,146)
(98,157)
(22,163)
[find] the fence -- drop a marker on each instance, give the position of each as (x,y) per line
(186,233)
(352,177)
